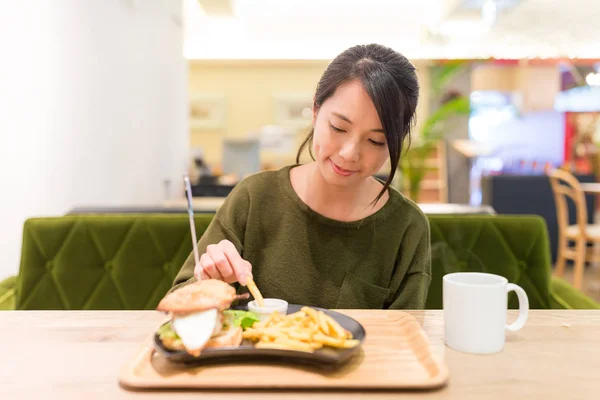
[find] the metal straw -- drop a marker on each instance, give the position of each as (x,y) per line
(188,190)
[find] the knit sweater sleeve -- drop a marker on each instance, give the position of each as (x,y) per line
(410,283)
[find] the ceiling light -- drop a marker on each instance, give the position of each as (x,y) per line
(593,79)
(489,12)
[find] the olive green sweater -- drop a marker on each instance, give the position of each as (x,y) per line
(382,261)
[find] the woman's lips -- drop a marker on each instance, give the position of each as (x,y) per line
(339,170)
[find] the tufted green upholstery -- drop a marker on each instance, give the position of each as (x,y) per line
(102,262)
(515,247)
(7,293)
(130,261)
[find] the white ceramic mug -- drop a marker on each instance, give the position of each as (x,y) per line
(475,309)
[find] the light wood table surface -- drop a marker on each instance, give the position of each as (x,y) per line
(208,204)
(213,203)
(593,187)
(79,355)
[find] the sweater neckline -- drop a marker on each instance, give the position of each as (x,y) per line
(285,183)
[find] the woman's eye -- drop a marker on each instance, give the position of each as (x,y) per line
(376,143)
(335,128)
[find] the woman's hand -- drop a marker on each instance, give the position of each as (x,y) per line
(222,261)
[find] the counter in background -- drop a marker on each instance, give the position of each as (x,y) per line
(211,205)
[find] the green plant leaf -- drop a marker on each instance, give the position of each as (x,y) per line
(433,128)
(442,75)
(413,163)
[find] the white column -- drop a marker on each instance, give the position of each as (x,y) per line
(93,108)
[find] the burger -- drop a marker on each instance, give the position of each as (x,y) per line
(200,317)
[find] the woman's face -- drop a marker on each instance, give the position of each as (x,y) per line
(348,143)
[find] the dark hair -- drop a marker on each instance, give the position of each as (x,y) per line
(390,81)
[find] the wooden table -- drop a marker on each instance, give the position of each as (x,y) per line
(590,187)
(212,204)
(206,204)
(79,354)
(452,208)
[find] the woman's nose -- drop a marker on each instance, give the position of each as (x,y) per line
(350,151)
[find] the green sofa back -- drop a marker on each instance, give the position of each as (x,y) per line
(96,262)
(515,247)
(130,261)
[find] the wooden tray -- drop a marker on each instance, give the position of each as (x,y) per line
(396,355)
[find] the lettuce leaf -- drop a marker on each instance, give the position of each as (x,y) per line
(243,319)
(167,331)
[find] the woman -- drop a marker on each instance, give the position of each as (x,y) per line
(327,233)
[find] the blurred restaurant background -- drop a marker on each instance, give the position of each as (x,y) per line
(107,103)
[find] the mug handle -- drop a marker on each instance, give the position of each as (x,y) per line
(523,307)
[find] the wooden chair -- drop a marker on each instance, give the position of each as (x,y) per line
(565,185)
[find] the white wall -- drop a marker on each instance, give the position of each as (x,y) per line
(93,108)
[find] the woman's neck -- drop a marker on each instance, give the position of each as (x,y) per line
(336,202)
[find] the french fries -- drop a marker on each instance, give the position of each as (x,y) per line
(305,330)
(255,293)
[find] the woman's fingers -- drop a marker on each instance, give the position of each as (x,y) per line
(241,269)
(209,267)
(222,261)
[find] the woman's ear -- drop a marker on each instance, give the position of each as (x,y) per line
(315,111)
